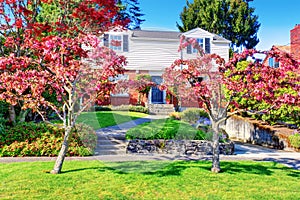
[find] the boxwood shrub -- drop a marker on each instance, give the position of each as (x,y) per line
(165,129)
(40,139)
(295,140)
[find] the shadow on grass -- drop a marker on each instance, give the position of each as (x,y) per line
(166,168)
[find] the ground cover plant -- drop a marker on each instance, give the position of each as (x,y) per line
(108,118)
(40,139)
(165,129)
(149,180)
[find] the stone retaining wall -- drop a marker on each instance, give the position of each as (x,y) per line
(181,147)
(258,132)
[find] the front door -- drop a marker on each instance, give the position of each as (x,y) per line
(156,94)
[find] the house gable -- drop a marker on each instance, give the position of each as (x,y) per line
(199,32)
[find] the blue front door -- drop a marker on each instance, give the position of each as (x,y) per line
(156,95)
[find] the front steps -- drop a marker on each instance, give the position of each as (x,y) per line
(110,144)
(160,109)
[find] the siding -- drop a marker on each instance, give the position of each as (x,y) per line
(151,54)
(156,54)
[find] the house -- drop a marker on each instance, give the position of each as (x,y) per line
(150,52)
(293,48)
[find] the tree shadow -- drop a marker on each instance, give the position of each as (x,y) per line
(154,168)
(175,168)
(246,168)
(289,163)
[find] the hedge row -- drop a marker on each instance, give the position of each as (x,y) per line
(40,139)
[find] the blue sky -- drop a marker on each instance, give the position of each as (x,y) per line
(277,18)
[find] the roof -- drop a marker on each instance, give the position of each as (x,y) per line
(156,34)
(284,48)
(172,34)
(216,38)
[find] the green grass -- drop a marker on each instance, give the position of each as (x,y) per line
(149,180)
(165,129)
(108,118)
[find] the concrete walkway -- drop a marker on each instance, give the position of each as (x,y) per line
(242,151)
(111,140)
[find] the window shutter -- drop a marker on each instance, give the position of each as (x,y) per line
(207,45)
(106,40)
(189,49)
(125,43)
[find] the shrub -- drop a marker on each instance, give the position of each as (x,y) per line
(192,115)
(46,140)
(174,115)
(23,131)
(120,108)
(141,109)
(3,123)
(102,108)
(165,129)
(295,140)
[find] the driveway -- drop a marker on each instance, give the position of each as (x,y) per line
(257,153)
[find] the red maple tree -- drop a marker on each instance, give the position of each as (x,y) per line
(217,85)
(61,56)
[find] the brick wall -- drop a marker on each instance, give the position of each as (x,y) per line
(295,41)
(133,94)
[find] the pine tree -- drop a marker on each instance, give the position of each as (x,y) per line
(130,9)
(232,19)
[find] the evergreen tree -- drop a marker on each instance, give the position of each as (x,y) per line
(232,19)
(130,9)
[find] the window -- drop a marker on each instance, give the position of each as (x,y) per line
(200,42)
(116,42)
(122,90)
(204,43)
(273,63)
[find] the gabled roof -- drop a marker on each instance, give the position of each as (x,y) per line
(155,34)
(284,48)
(175,35)
(216,38)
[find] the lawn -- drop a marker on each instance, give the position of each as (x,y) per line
(149,180)
(108,118)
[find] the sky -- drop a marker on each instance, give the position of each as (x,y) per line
(277,18)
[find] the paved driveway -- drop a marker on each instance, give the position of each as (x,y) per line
(258,153)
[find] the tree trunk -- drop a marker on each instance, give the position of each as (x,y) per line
(12,114)
(216,151)
(62,153)
(23,114)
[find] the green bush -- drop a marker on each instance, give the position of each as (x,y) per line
(120,108)
(45,140)
(131,108)
(140,109)
(165,129)
(102,108)
(192,115)
(3,126)
(295,140)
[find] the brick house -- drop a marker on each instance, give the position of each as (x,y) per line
(150,52)
(293,48)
